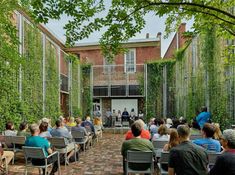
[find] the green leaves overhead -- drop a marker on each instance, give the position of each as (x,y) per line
(122,19)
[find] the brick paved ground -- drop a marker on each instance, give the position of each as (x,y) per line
(102,159)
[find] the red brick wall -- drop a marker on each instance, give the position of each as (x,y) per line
(142,54)
(173,45)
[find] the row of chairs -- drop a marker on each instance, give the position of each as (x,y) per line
(16,144)
(139,157)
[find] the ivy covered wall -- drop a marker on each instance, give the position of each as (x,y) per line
(30,76)
(202,77)
(159,74)
(202,74)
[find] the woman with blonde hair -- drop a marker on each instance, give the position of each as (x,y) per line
(162,133)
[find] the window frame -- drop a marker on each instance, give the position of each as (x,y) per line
(125,61)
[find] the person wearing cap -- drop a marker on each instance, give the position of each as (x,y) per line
(48,121)
(225,163)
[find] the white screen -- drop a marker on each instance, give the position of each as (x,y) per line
(120,104)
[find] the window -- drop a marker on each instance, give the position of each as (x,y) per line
(130,61)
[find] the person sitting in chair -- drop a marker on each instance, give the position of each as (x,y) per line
(36,141)
(136,144)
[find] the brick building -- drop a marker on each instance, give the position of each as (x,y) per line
(177,42)
(116,85)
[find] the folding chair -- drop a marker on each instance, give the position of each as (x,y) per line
(38,153)
(139,158)
(212,156)
(80,138)
(18,142)
(61,145)
(158,146)
(163,160)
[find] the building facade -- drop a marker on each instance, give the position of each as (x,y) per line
(116,85)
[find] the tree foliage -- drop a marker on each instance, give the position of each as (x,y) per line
(124,18)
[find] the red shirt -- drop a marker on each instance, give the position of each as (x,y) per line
(145,134)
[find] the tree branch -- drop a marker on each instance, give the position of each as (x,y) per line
(193,5)
(228,30)
(210,14)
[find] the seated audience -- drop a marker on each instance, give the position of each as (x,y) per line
(71,122)
(10,131)
(23,130)
(168,122)
(162,133)
(195,129)
(218,134)
(36,141)
(136,144)
(173,141)
(48,121)
(88,125)
(44,130)
(63,122)
(145,134)
(182,120)
(80,128)
(176,123)
(207,142)
(60,131)
(225,163)
(153,126)
(187,158)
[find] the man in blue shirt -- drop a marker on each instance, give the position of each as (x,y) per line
(37,141)
(207,142)
(203,117)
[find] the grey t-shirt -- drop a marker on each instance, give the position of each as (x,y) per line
(188,159)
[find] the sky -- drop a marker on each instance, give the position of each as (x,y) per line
(153,25)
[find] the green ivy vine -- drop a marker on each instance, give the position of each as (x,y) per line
(86,89)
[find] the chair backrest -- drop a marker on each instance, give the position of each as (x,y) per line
(33,152)
(2,138)
(195,136)
(8,140)
(139,157)
(164,157)
(58,142)
(212,157)
(159,144)
(78,134)
(18,140)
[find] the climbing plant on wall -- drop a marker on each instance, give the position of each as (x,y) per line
(154,101)
(32,95)
(214,67)
(75,85)
(52,108)
(10,106)
(86,89)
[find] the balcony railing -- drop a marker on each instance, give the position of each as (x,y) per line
(114,81)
